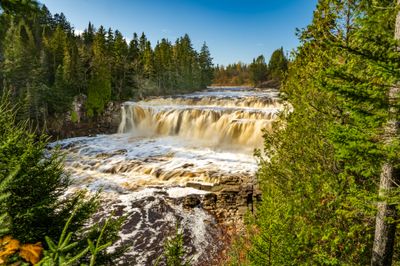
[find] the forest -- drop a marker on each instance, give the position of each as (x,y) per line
(45,64)
(328,171)
(258,73)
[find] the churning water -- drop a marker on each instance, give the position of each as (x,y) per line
(163,147)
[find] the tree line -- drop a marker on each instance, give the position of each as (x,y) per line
(257,73)
(45,64)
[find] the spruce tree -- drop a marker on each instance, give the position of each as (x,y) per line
(258,70)
(120,67)
(99,88)
(277,65)
(206,66)
(34,206)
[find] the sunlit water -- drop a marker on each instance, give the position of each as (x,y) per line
(164,144)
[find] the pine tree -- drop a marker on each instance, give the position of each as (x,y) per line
(258,70)
(174,252)
(99,90)
(120,67)
(185,64)
(206,66)
(88,34)
(34,207)
(18,57)
(148,61)
(61,21)
(5,221)
(110,41)
(163,63)
(277,65)
(17,8)
(134,48)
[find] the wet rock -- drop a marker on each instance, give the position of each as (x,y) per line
(186,165)
(231,189)
(230,180)
(76,123)
(209,201)
(191,201)
(151,220)
(200,186)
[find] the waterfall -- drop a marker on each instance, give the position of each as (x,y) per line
(235,118)
(175,151)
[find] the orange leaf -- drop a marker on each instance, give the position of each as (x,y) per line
(8,246)
(31,252)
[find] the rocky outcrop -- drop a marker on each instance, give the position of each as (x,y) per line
(208,222)
(229,200)
(272,83)
(76,123)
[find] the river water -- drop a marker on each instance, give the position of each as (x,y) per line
(163,148)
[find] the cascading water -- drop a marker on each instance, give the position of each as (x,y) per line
(218,118)
(166,149)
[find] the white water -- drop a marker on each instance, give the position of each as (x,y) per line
(215,118)
(163,144)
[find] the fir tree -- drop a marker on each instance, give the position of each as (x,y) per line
(258,70)
(277,65)
(34,207)
(206,66)
(99,87)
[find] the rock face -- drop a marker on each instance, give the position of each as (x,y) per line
(207,220)
(229,200)
(151,220)
(76,123)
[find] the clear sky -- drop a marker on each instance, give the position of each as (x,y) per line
(234,30)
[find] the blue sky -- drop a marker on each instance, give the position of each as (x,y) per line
(234,30)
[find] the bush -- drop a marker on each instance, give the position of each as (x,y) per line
(33,206)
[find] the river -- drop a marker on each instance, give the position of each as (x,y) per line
(168,149)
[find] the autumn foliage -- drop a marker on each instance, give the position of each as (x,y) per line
(12,250)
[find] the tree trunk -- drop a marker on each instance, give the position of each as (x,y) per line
(385,228)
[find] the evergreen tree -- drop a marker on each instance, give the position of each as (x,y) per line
(18,59)
(120,68)
(233,74)
(134,49)
(277,65)
(174,252)
(110,41)
(258,70)
(18,8)
(88,34)
(163,64)
(61,21)
(185,59)
(206,67)
(148,61)
(99,89)
(34,206)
